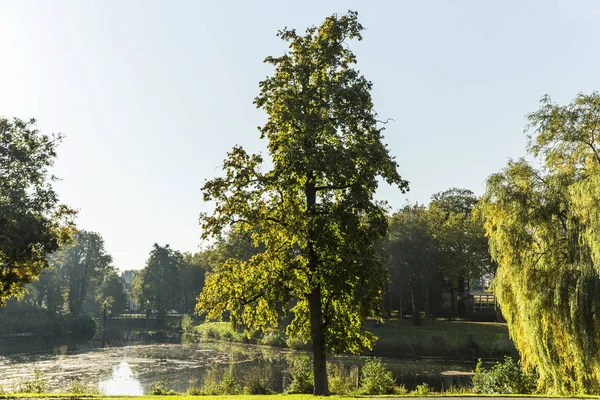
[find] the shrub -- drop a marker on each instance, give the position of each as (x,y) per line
(83,327)
(80,388)
(36,385)
(503,378)
(227,386)
(274,339)
(341,381)
(400,390)
(160,389)
(301,371)
(422,390)
(258,381)
(296,343)
(376,378)
(187,324)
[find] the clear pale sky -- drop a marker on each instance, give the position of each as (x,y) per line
(151,94)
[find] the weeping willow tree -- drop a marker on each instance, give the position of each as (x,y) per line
(543,221)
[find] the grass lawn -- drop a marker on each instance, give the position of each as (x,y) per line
(439,338)
(267,397)
(402,339)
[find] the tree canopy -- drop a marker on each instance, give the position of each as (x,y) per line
(434,249)
(543,223)
(314,210)
(32,222)
(159,284)
(83,267)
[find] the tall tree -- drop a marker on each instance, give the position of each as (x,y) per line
(314,210)
(32,222)
(544,232)
(83,266)
(158,285)
(113,286)
(413,255)
(462,246)
(193,272)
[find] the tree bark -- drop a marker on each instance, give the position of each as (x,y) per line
(315,302)
(321,387)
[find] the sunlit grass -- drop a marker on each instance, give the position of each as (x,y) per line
(271,396)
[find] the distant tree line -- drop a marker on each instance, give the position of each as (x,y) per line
(432,254)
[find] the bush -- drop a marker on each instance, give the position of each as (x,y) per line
(187,324)
(296,343)
(80,388)
(341,381)
(503,378)
(274,338)
(301,371)
(422,390)
(376,378)
(258,381)
(227,386)
(83,327)
(36,385)
(160,389)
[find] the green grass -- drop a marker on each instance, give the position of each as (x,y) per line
(264,397)
(399,339)
(438,338)
(224,331)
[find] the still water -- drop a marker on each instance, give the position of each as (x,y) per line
(130,368)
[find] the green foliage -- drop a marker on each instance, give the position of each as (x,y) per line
(503,378)
(273,338)
(187,324)
(543,226)
(192,271)
(160,388)
(32,222)
(220,331)
(80,388)
(83,327)
(258,380)
(113,287)
(158,286)
(301,371)
(313,216)
(376,378)
(422,390)
(341,380)
(38,384)
(436,248)
(212,387)
(83,266)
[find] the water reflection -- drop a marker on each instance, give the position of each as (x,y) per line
(131,368)
(122,383)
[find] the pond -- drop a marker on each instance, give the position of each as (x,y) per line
(130,368)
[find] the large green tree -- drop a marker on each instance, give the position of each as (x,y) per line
(314,210)
(544,227)
(159,284)
(113,287)
(413,253)
(436,249)
(83,267)
(32,222)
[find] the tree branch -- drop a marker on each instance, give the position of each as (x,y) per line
(253,298)
(333,187)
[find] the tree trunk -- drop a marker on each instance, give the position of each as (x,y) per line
(453,312)
(317,328)
(317,331)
